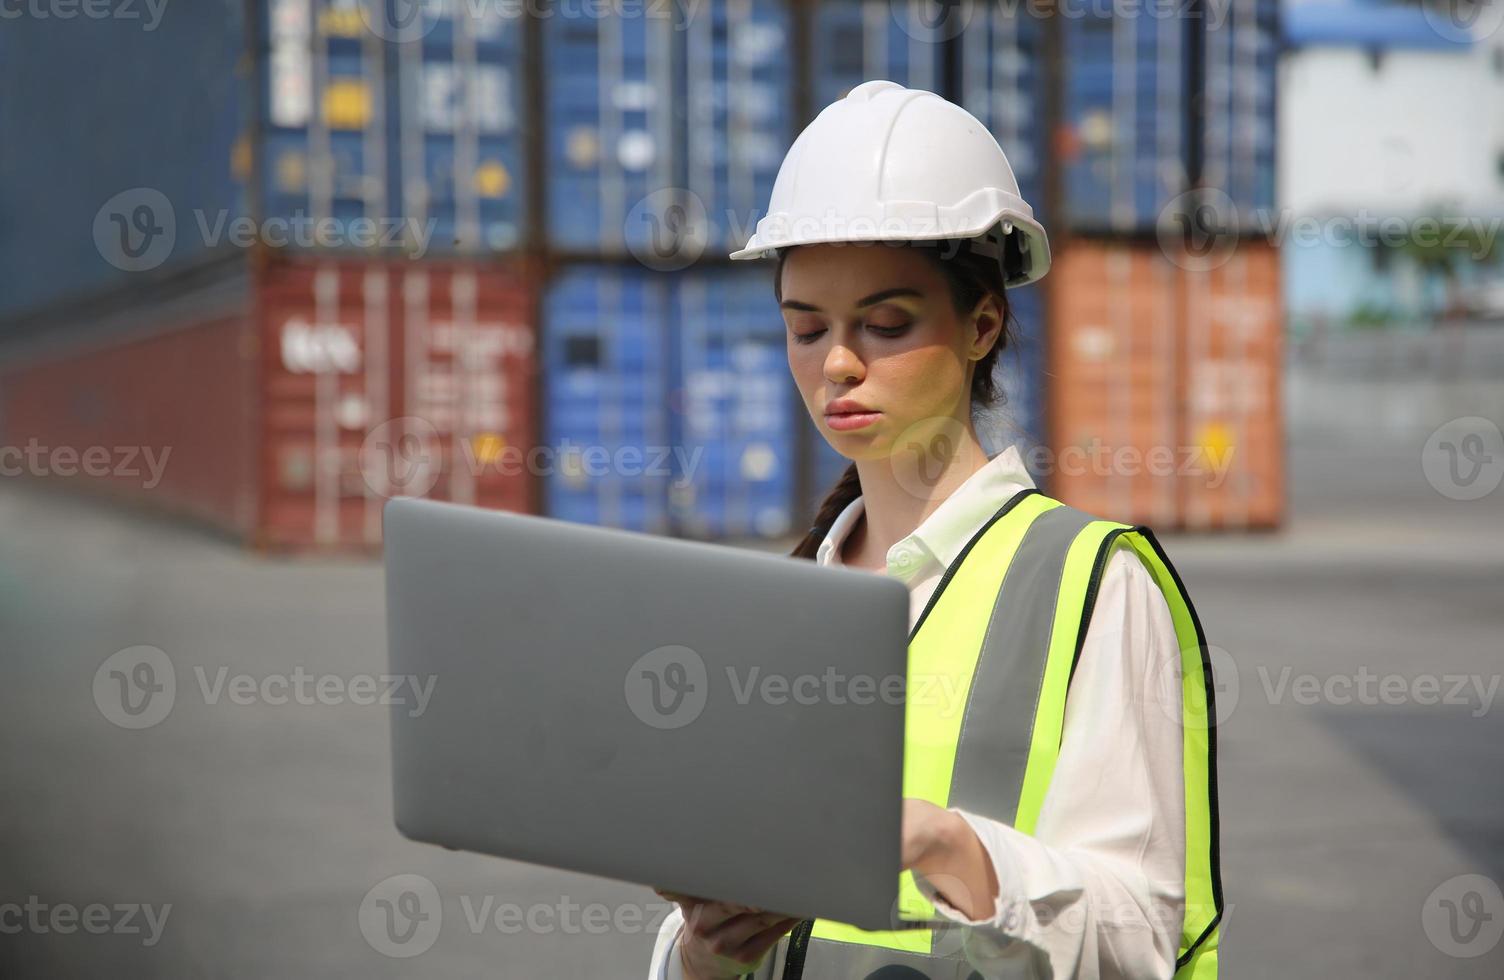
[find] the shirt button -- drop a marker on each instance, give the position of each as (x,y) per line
(901,559)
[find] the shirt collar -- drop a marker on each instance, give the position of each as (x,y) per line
(945,532)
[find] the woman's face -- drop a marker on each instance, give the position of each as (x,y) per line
(875,325)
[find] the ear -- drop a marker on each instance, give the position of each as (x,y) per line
(986,325)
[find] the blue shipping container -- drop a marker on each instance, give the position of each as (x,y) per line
(611,129)
(856,41)
(606,361)
(738,113)
(1125,115)
(288,115)
(1002,85)
(119,134)
(1242,50)
(460,92)
(735,406)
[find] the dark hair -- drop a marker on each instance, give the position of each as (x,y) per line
(971,276)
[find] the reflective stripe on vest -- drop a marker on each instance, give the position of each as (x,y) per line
(984,719)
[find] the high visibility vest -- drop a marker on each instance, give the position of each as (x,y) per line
(1006,625)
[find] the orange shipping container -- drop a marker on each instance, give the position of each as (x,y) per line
(1164,398)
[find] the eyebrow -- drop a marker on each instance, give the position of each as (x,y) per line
(794,304)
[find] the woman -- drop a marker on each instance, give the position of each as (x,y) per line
(1043,836)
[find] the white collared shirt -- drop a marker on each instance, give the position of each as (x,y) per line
(1098,891)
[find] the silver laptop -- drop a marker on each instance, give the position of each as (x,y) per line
(700,718)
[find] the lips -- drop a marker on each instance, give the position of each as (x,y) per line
(845,406)
(845,414)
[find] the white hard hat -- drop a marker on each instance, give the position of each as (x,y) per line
(889,163)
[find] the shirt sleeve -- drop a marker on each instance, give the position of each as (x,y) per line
(666,964)
(1099,889)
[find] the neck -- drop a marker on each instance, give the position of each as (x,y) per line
(899,493)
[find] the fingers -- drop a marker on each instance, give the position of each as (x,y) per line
(743,936)
(756,945)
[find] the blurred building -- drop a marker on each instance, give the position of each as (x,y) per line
(1391,134)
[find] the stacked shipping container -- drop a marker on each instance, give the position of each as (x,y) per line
(666,143)
(1165,332)
(661,140)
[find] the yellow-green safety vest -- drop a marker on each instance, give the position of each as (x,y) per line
(1006,624)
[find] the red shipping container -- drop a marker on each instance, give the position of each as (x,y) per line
(1164,397)
(286,404)
(1113,411)
(1234,361)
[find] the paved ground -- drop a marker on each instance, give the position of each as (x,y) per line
(265,826)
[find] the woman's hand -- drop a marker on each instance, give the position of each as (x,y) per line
(942,846)
(723,940)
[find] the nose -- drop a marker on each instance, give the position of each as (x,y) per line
(842,365)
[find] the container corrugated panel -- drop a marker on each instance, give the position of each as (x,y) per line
(859,40)
(1234,415)
(1124,139)
(460,92)
(1116,336)
(738,111)
(160,412)
(735,406)
(277,405)
(326,368)
(611,127)
(323,78)
(607,362)
(1002,85)
(148,112)
(468,343)
(1238,120)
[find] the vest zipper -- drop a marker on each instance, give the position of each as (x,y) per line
(793,966)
